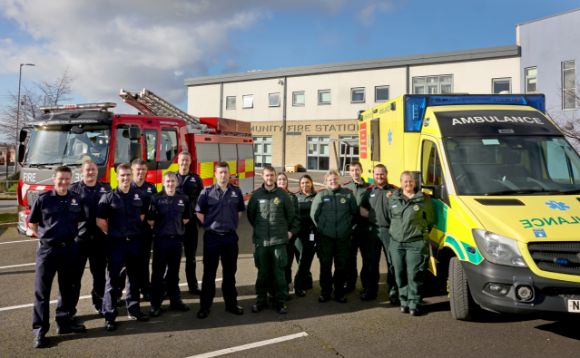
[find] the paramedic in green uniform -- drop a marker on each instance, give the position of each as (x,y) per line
(411,217)
(333,212)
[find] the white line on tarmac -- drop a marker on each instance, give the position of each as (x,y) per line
(19,241)
(15,266)
(27,305)
(245,347)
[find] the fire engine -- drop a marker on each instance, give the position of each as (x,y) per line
(70,134)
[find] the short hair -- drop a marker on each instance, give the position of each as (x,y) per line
(269,168)
(184,154)
(88,162)
(409,173)
(170,175)
(62,169)
(138,161)
(329,173)
(380,166)
(123,166)
(222,165)
(355,163)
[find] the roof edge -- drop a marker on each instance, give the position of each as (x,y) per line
(413,60)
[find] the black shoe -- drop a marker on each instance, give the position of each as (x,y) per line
(349,288)
(40,341)
(340,299)
(110,326)
(404,309)
(416,312)
(202,314)
(155,312)
(70,327)
(146,297)
(138,316)
(258,307)
(323,298)
(179,306)
(394,301)
(195,291)
(282,309)
(300,293)
(237,310)
(368,296)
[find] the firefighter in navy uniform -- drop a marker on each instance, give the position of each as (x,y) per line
(168,213)
(219,208)
(147,190)
(90,241)
(120,216)
(190,184)
(54,219)
(373,207)
(358,186)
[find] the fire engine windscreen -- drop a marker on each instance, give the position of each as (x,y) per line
(505,165)
(68,145)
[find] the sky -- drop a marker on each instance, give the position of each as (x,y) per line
(107,45)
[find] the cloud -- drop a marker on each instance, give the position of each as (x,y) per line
(109,44)
(368,11)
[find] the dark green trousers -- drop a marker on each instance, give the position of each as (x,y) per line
(271,263)
(410,260)
(333,250)
(377,240)
(307,250)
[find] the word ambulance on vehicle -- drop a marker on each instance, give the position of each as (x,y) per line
(70,134)
(506,189)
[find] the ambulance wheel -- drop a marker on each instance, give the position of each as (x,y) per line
(462,305)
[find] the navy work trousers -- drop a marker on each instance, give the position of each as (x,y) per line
(218,247)
(166,262)
(189,249)
(93,251)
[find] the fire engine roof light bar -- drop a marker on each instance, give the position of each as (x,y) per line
(103,106)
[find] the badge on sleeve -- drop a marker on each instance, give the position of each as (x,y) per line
(342,200)
(276,201)
(416,207)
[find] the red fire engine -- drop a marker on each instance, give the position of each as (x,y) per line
(70,134)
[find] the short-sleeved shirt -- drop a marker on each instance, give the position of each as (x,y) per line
(168,212)
(220,208)
(147,190)
(123,213)
(190,185)
(57,216)
(90,196)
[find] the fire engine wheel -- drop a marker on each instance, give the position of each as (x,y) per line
(462,305)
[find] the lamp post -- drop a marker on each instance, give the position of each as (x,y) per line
(18,115)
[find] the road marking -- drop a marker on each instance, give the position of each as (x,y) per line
(15,266)
(27,305)
(245,347)
(16,242)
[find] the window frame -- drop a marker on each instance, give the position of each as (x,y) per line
(426,84)
(270,96)
(387,87)
(317,153)
(527,77)
(568,91)
(352,92)
(494,80)
(244,98)
(294,96)
(232,107)
(320,101)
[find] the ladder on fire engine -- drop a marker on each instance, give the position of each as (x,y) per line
(149,103)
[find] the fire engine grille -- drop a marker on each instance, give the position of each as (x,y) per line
(31,196)
(558,257)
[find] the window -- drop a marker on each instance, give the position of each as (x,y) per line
(230,102)
(375,140)
(248,101)
(357,95)
(151,145)
(349,150)
(568,85)
(440,84)
(501,85)
(298,99)
(430,165)
(168,144)
(122,145)
(262,151)
(530,78)
(323,97)
(381,93)
(274,99)
(318,153)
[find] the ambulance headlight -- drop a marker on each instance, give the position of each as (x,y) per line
(498,249)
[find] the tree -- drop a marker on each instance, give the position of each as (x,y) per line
(42,94)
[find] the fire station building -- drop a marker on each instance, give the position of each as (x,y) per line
(308,115)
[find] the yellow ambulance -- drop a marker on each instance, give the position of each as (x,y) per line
(506,187)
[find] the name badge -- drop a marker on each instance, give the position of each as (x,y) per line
(326,200)
(262,201)
(311,237)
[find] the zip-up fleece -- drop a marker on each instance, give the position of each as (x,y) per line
(334,211)
(411,219)
(271,214)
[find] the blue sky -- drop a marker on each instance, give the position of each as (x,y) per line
(107,45)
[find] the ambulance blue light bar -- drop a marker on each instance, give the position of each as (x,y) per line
(415,105)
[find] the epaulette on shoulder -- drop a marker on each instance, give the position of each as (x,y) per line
(349,189)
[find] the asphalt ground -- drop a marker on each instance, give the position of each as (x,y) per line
(310,329)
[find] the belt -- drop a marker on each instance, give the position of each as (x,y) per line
(221,233)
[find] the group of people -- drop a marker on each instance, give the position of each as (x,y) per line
(115,230)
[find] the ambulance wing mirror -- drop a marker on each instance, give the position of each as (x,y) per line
(439,192)
(21,150)
(22,135)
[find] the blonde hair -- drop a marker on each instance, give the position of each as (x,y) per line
(329,173)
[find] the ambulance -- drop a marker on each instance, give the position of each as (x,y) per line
(505,184)
(70,134)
